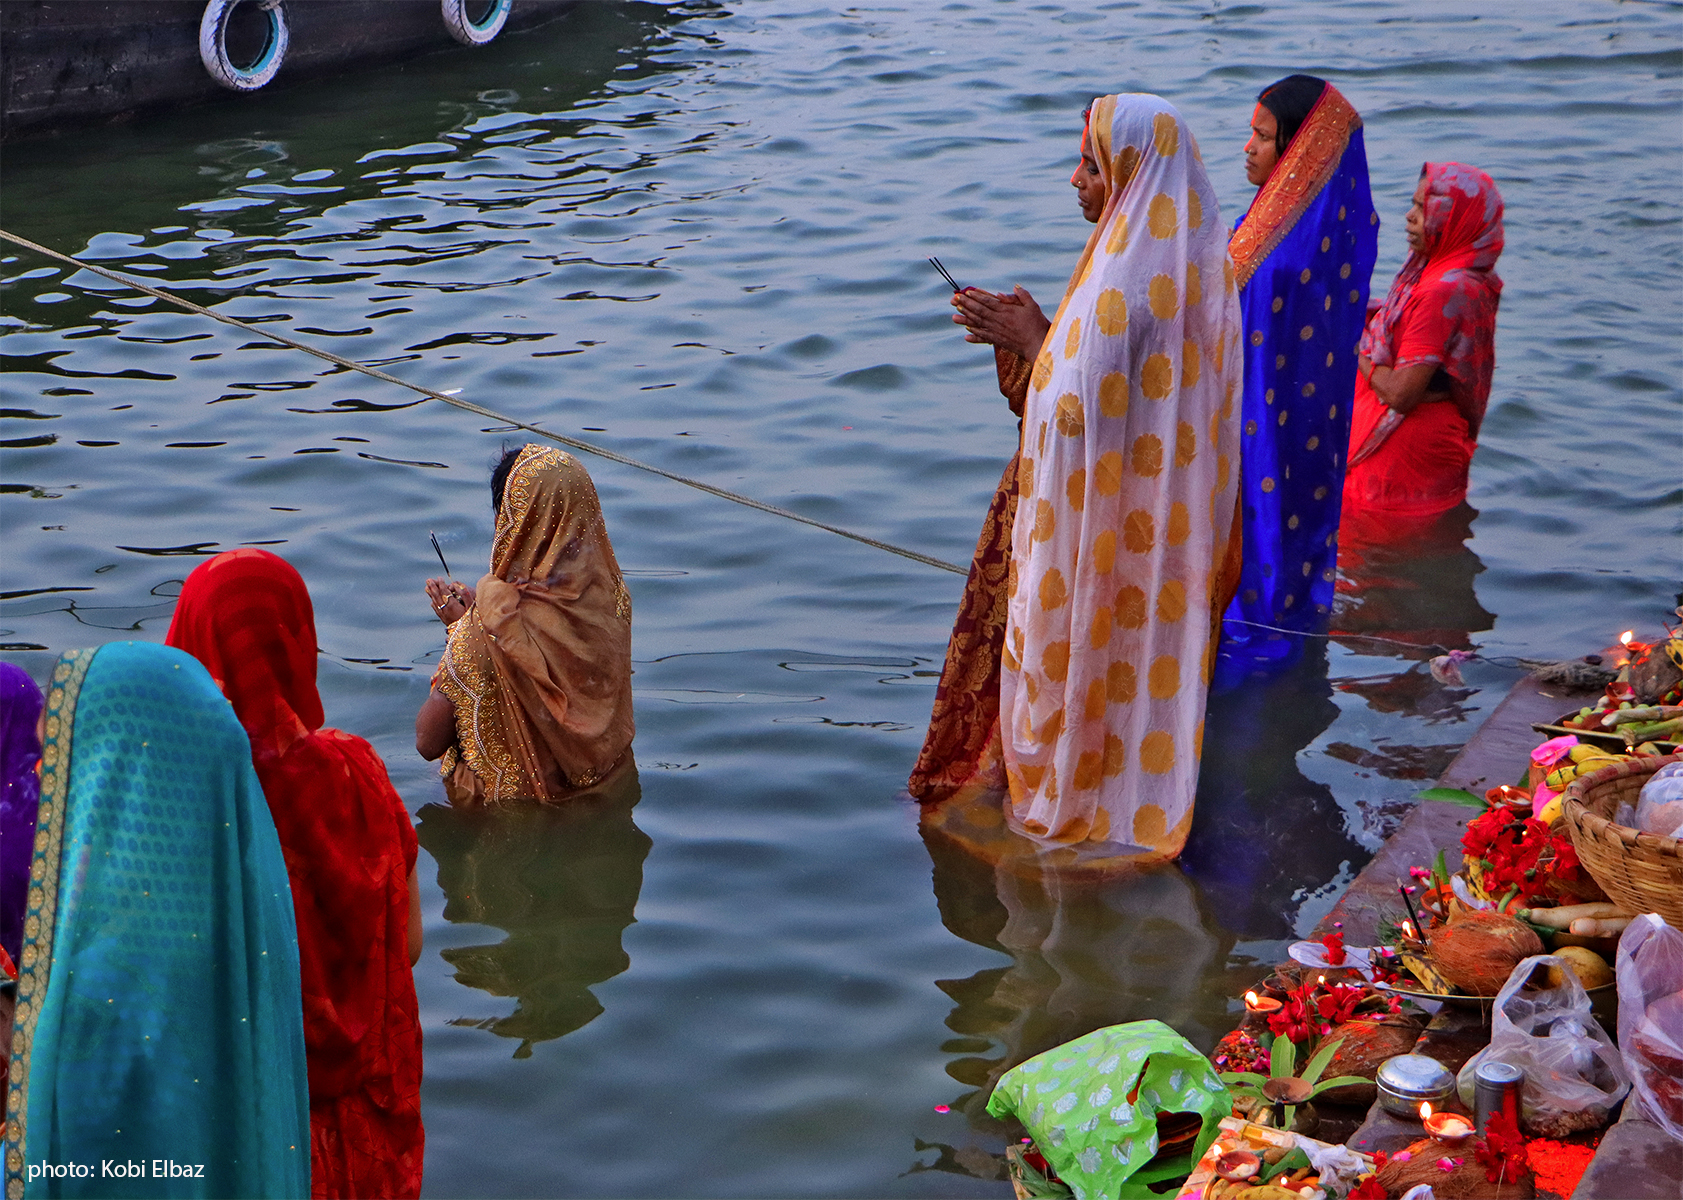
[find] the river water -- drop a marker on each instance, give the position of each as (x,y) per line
(696,235)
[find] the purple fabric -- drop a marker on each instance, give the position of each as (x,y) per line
(20,791)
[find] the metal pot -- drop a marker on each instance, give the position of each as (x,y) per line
(1407,1079)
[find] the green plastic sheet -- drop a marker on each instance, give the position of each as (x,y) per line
(1074,1102)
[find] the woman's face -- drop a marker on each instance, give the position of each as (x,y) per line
(1261,152)
(1415,222)
(1088,183)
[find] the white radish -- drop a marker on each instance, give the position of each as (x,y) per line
(1600,927)
(1560,918)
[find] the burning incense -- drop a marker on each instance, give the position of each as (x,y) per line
(438,550)
(945,274)
(1413,917)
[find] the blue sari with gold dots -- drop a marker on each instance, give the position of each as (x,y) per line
(159,1037)
(1303,255)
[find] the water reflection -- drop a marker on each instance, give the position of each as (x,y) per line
(562,881)
(1409,582)
(1086,950)
(1264,833)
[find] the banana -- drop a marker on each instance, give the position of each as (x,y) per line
(1582,753)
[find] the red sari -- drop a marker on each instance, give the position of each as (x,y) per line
(349,850)
(1442,310)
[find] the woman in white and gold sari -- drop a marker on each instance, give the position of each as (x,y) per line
(1123,553)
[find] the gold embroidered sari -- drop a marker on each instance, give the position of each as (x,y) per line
(539,668)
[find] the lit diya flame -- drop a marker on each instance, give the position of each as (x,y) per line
(1407,928)
(1449,1128)
(1261,1004)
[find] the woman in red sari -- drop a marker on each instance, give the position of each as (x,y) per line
(1427,358)
(350,855)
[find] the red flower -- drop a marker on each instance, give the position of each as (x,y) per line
(1334,945)
(1368,1189)
(1501,1150)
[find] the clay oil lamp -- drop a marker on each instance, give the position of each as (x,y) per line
(1238,1165)
(1283,1091)
(1262,1006)
(1516,800)
(1447,1128)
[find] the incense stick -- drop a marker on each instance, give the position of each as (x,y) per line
(436,549)
(945,274)
(1419,929)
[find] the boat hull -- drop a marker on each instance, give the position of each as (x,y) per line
(67,63)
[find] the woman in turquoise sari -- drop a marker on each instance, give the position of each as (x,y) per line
(1303,258)
(159,1044)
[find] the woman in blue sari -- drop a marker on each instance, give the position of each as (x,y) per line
(1303,257)
(159,1024)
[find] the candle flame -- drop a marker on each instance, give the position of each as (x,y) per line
(1408,929)
(1624,638)
(1251,998)
(1425,1110)
(1323,978)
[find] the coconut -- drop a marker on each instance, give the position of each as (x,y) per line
(1477,951)
(1362,1047)
(1422,1163)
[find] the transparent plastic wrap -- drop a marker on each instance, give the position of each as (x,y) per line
(1574,1074)
(1659,808)
(1650,975)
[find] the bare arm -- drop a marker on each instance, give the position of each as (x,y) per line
(1403,390)
(1012,322)
(435,726)
(414,916)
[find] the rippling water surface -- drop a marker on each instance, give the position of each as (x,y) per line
(698,233)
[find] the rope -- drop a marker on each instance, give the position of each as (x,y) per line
(481,410)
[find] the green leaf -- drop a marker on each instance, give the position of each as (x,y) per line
(1452,796)
(1337,1081)
(1323,1055)
(1282,1059)
(1243,1077)
(1290,1162)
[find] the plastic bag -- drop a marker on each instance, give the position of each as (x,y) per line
(1659,808)
(1574,1074)
(1649,968)
(1091,1106)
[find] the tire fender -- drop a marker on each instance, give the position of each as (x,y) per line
(213,45)
(475,33)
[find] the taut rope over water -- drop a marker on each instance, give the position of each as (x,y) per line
(601,452)
(481,410)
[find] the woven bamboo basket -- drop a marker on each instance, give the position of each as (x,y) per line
(1640,872)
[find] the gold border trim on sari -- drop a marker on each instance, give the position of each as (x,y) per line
(41,910)
(1308,166)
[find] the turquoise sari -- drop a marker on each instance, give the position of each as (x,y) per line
(159,1042)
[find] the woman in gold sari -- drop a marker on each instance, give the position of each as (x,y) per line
(1126,483)
(532,700)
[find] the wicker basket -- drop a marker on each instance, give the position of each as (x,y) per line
(1640,872)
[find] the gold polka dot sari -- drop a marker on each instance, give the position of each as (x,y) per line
(1125,517)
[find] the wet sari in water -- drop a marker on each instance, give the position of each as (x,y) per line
(349,849)
(1303,254)
(1409,470)
(539,667)
(158,1004)
(20,790)
(963,725)
(1126,501)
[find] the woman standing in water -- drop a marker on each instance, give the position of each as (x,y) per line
(1303,257)
(158,1013)
(532,700)
(350,854)
(1126,490)
(1427,358)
